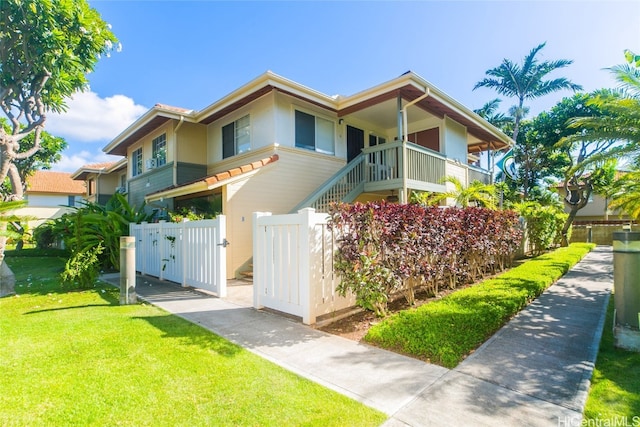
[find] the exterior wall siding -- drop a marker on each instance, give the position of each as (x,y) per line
(150,182)
(276,188)
(187,172)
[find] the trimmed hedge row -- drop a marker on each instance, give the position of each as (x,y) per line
(446,330)
(386,248)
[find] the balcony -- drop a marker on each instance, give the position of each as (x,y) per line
(423,170)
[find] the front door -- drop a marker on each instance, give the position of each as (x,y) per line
(355,142)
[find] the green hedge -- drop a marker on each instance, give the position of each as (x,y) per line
(446,330)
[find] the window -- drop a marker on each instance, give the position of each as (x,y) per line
(91,187)
(236,137)
(314,133)
(136,162)
(160,149)
(375,140)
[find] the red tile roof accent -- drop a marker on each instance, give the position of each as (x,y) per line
(54,182)
(221,176)
(240,170)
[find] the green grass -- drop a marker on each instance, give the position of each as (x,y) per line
(78,358)
(615,385)
(446,330)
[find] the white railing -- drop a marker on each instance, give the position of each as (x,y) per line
(424,165)
(344,186)
(293,265)
(477,174)
(191,253)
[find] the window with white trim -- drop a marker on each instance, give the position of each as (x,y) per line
(314,133)
(136,162)
(159,151)
(236,137)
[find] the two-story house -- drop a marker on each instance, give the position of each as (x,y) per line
(103,180)
(275,145)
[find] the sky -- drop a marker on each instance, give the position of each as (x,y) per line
(190,54)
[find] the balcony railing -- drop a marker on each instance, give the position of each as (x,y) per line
(383,167)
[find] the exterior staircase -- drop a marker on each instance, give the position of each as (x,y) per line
(344,186)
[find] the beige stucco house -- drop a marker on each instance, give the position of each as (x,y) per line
(276,145)
(49,195)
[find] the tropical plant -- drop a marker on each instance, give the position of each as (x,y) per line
(388,249)
(625,194)
(543,224)
(476,194)
(92,225)
(526,81)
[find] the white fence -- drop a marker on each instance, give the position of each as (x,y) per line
(191,253)
(293,265)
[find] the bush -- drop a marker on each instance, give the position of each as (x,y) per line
(543,225)
(386,249)
(83,268)
(446,330)
(44,236)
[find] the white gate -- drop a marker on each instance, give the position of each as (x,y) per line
(293,265)
(191,253)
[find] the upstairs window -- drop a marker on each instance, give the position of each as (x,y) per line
(160,149)
(236,137)
(314,133)
(136,162)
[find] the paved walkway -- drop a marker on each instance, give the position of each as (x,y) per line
(535,371)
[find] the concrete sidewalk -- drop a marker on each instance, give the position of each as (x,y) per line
(535,371)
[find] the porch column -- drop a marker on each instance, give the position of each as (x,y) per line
(400,131)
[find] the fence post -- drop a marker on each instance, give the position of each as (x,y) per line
(144,241)
(221,259)
(161,245)
(258,260)
(183,247)
(304,278)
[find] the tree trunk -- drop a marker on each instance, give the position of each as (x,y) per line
(7,278)
(567,224)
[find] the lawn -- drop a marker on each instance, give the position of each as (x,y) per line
(615,385)
(72,357)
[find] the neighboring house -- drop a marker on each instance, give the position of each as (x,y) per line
(49,195)
(597,208)
(103,180)
(275,145)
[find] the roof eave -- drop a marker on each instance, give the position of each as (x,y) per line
(155,111)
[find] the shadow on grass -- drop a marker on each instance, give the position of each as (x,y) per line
(191,334)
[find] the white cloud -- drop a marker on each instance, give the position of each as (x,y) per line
(90,118)
(73,162)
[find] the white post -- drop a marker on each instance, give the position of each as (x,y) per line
(144,242)
(304,279)
(258,260)
(221,259)
(128,270)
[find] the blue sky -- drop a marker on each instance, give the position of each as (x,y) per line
(191,53)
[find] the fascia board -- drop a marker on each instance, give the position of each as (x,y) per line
(144,119)
(267,79)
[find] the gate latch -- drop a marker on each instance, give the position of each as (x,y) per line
(224,243)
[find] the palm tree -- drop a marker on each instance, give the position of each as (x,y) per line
(477,193)
(489,112)
(619,127)
(526,81)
